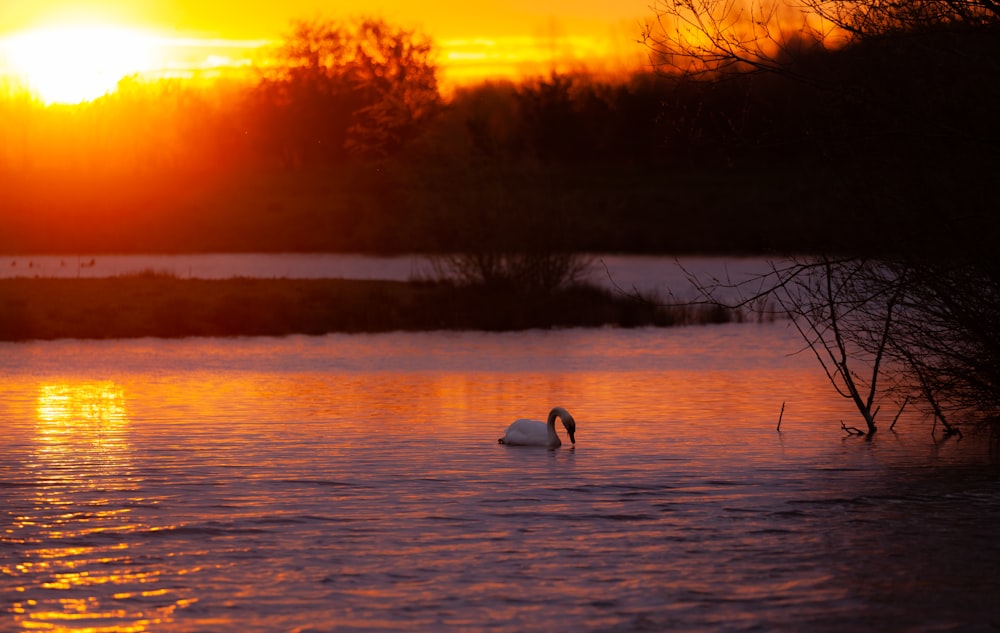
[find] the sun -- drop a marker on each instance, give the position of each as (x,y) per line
(79,62)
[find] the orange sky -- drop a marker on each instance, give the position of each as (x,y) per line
(493,39)
(258,18)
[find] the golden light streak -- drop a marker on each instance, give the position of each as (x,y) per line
(82,447)
(79,62)
(469,60)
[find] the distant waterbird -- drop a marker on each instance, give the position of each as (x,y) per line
(525,432)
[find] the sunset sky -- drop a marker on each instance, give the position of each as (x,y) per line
(97,41)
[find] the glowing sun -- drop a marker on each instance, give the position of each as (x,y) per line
(77,63)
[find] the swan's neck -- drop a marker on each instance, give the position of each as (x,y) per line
(551,427)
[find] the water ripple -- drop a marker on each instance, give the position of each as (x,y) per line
(281,499)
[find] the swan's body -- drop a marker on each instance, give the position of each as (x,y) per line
(535,433)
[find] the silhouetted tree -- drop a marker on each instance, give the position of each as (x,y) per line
(893,330)
(709,37)
(712,36)
(336,89)
(528,272)
(890,69)
(903,91)
(393,71)
(881,17)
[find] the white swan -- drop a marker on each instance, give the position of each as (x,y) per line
(535,433)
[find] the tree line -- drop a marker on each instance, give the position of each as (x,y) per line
(827,148)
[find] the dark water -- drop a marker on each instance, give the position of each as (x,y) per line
(346,483)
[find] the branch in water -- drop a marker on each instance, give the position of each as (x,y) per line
(851,430)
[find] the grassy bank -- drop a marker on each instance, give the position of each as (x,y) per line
(163,306)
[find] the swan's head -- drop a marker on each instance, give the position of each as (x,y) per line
(570,425)
(568,422)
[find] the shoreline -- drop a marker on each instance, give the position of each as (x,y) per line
(161,306)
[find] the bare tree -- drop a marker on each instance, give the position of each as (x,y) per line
(888,332)
(706,38)
(842,308)
(524,271)
(871,18)
(702,37)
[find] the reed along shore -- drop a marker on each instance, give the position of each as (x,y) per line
(165,306)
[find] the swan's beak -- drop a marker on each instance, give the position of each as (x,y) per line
(572,434)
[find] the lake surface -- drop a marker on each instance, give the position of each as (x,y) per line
(354,483)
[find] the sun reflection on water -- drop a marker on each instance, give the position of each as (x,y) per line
(76,569)
(75,406)
(85,420)
(355,482)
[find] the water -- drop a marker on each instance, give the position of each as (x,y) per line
(216,265)
(354,483)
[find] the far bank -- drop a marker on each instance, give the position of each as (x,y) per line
(167,307)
